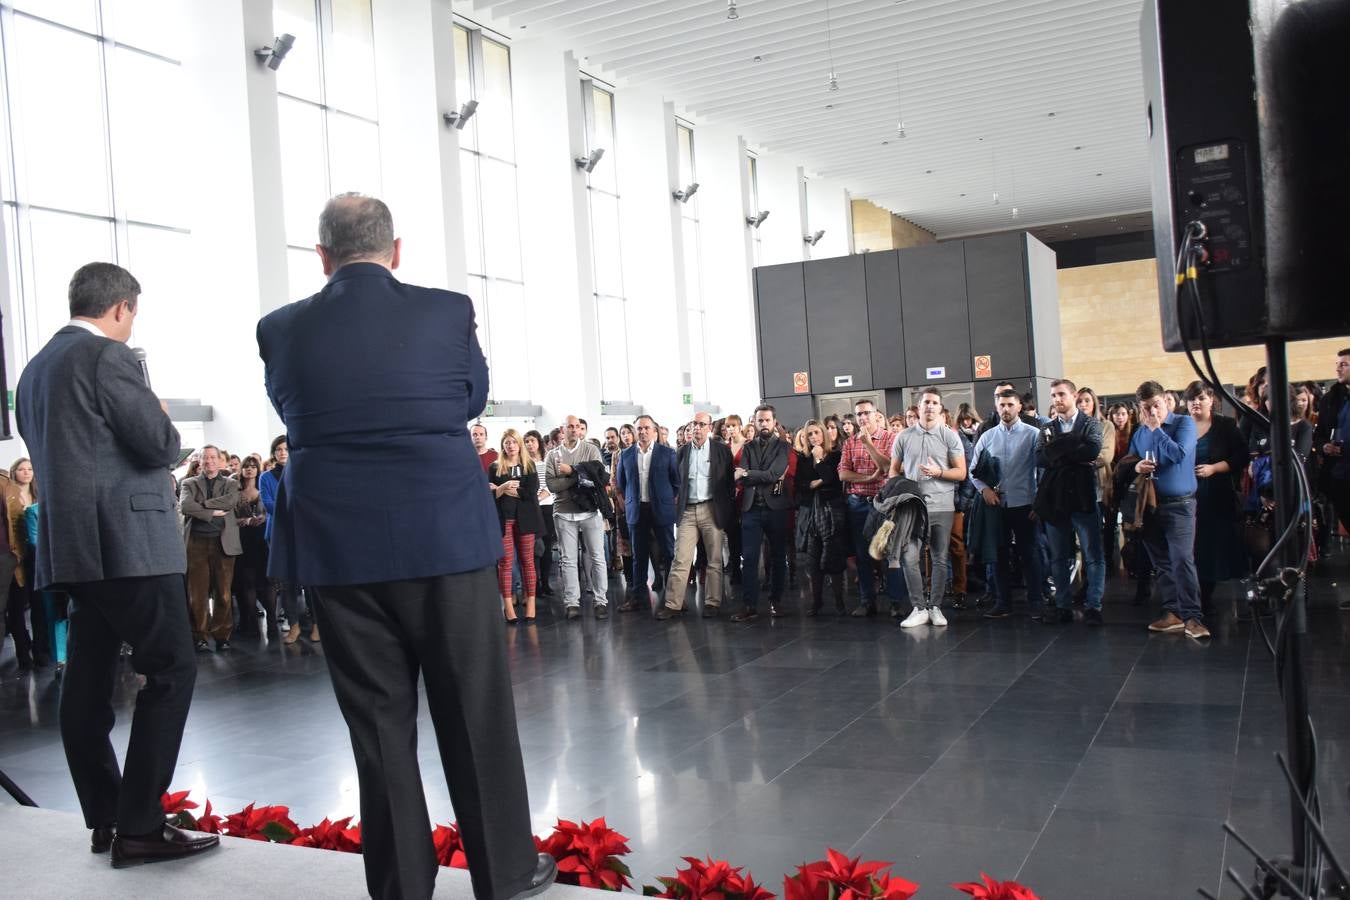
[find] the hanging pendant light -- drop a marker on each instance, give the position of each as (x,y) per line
(832,80)
(899,106)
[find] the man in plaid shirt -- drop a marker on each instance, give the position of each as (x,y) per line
(864,465)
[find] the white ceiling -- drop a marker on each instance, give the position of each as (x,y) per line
(979,79)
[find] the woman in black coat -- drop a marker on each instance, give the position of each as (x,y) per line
(822,520)
(1220,457)
(514,480)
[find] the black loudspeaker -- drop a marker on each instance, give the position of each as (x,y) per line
(1248,130)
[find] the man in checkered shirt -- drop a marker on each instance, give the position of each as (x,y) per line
(863,466)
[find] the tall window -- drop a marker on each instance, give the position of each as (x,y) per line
(330,138)
(95,168)
(752,178)
(693,269)
(487,165)
(602,192)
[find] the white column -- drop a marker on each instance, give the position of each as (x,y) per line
(238,225)
(828,208)
(419,153)
(729,337)
(780,193)
(653,276)
(561,325)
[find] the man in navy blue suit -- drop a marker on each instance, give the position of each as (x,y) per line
(649,480)
(372,375)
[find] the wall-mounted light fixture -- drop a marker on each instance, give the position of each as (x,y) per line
(814,239)
(686,192)
(273,55)
(459,119)
(757,219)
(588,163)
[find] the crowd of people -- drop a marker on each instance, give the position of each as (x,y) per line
(1161,488)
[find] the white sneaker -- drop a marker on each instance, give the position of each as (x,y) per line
(916,618)
(936,617)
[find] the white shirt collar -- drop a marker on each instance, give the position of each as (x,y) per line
(87,326)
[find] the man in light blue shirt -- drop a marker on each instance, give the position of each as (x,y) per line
(1165,444)
(1013,443)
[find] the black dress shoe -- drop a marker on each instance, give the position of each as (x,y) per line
(745,615)
(100,839)
(664,612)
(161,846)
(711,612)
(545,873)
(1092,617)
(862,610)
(1065,616)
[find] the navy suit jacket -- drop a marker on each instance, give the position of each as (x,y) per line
(662,490)
(376,381)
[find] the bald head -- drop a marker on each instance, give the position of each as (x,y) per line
(357,228)
(573,430)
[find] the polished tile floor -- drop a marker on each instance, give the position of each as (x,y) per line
(1085,762)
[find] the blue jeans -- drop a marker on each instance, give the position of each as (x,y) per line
(1169,538)
(756,522)
(1088,527)
(858,508)
(1017,524)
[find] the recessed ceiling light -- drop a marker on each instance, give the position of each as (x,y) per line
(928,171)
(1050,115)
(1079,147)
(884,143)
(758,59)
(829,106)
(963,195)
(1099,174)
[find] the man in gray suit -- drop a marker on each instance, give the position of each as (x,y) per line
(108,535)
(211,534)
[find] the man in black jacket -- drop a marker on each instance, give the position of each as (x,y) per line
(703,509)
(1332,440)
(764,512)
(1067,499)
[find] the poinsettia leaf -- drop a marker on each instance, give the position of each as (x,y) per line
(277,833)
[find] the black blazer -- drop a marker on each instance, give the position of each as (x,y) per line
(529,518)
(766,464)
(1226,444)
(721,478)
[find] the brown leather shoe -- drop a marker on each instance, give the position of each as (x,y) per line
(167,844)
(1170,623)
(629,605)
(1196,630)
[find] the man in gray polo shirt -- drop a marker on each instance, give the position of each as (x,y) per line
(930,454)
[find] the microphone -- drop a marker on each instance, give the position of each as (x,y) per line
(139,353)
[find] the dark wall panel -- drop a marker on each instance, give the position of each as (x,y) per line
(780,314)
(996,293)
(886,325)
(836,324)
(793,411)
(933,303)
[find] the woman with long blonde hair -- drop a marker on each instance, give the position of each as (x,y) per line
(821,534)
(514,480)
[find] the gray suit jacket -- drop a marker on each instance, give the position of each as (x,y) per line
(195,507)
(102,447)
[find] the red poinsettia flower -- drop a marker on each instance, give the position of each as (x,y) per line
(450,847)
(263,823)
(996,890)
(208,822)
(709,880)
(177,802)
(340,835)
(839,878)
(588,854)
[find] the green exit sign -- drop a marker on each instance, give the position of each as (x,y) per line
(688,399)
